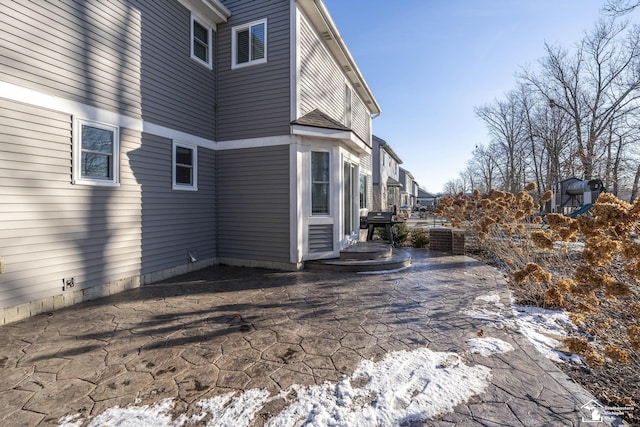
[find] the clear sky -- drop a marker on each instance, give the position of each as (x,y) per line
(430,62)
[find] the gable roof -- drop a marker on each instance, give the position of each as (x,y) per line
(318,119)
(422,194)
(384,145)
(321,20)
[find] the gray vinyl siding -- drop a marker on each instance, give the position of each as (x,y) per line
(253,203)
(174,222)
(321,80)
(322,84)
(360,122)
(254,101)
(320,238)
(51,229)
(131,57)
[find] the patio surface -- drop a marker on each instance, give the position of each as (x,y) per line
(225,328)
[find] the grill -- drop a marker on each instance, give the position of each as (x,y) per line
(380,219)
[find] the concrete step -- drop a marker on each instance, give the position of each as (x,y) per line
(371,250)
(398,259)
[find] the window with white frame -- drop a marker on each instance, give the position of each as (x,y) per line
(320,183)
(249,44)
(95,153)
(201,41)
(185,166)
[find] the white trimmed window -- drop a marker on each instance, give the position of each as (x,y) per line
(320,183)
(201,41)
(185,166)
(249,44)
(96,150)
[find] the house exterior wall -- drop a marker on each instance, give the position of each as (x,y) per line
(361,119)
(52,229)
(253,206)
(173,223)
(385,165)
(127,63)
(124,56)
(254,101)
(322,84)
(107,62)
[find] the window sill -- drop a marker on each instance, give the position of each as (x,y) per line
(95,183)
(248,64)
(183,188)
(201,62)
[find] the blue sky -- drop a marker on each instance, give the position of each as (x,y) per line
(430,62)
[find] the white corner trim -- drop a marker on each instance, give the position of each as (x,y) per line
(294,50)
(295,205)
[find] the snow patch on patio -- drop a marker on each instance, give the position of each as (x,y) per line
(543,328)
(488,346)
(404,386)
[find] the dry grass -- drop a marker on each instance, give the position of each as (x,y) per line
(589,266)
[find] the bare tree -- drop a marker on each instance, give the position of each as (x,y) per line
(595,86)
(636,182)
(505,121)
(618,8)
(453,187)
(483,166)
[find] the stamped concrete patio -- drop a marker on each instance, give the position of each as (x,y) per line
(226,328)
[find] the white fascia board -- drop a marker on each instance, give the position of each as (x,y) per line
(211,10)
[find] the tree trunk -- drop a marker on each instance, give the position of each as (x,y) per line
(636,181)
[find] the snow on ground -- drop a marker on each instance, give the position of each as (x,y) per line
(488,346)
(543,328)
(404,386)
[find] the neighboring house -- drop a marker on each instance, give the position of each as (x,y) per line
(408,183)
(144,139)
(426,200)
(386,175)
(414,194)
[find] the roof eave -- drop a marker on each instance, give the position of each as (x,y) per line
(212,10)
(349,138)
